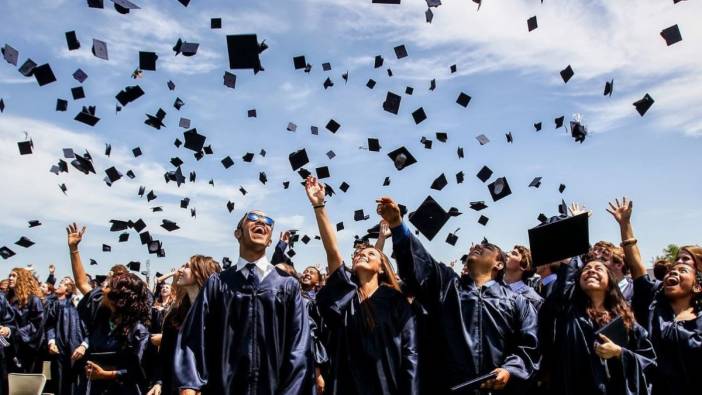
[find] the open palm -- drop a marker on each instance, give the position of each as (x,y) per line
(315,191)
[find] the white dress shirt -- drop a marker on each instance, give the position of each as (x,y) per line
(263,267)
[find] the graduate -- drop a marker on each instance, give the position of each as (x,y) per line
(584,302)
(476,325)
(27,330)
(247,332)
(518,269)
(7,317)
(671,310)
(310,283)
(188,281)
(373,343)
(65,332)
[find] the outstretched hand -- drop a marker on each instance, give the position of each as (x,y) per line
(389,210)
(315,190)
(384,230)
(74,235)
(577,208)
(285,237)
(621,211)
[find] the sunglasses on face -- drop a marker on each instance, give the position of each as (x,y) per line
(253,217)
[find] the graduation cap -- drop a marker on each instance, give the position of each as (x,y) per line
(124,6)
(409,90)
(392,103)
(536,182)
(561,188)
(193,140)
(77,93)
(333,126)
(248,157)
(229,80)
(671,35)
(386,182)
(25,147)
(34,222)
(509,137)
(567,74)
(482,139)
(432,84)
(251,113)
(291,127)
(80,75)
(452,238)
(112,174)
(314,130)
(429,15)
(531,23)
(322,172)
(99,49)
(427,143)
(563,238)
(171,85)
(129,94)
(359,215)
(156,121)
(150,196)
(378,62)
(402,158)
(459,177)
(186,48)
(419,115)
(230,206)
(24,242)
(147,60)
(243,52)
(537,126)
(95,3)
(559,121)
(453,68)
(83,164)
(328,83)
(578,130)
(134,266)
(463,100)
(371,83)
(609,88)
(215,23)
(477,206)
(43,74)
(87,116)
(483,220)
(227,162)
(299,62)
(644,104)
(2,105)
(344,187)
(106,248)
(184,202)
(374,144)
(6,253)
(10,54)
(123,237)
(331,154)
(400,51)
(262,177)
(439,183)
(499,189)
(459,152)
(484,174)
(429,218)
(298,159)
(61,105)
(27,68)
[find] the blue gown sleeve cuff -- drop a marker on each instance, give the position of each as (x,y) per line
(400,233)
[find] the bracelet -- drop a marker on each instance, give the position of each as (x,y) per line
(318,206)
(629,242)
(74,252)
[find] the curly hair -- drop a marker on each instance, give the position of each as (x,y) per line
(614,302)
(129,297)
(26,286)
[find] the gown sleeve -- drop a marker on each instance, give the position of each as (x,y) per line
(319,351)
(410,378)
(136,344)
(296,370)
(638,360)
(7,314)
(524,361)
(336,296)
(31,333)
(645,291)
(189,362)
(279,254)
(426,278)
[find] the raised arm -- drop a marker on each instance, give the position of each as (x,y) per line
(632,256)
(315,192)
(74,237)
(383,235)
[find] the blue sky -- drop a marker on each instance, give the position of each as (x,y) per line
(511,74)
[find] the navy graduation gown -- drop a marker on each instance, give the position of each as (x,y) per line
(27,335)
(245,341)
(472,330)
(64,326)
(678,344)
(576,369)
(7,318)
(381,360)
(529,294)
(318,330)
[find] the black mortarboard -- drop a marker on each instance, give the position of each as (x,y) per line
(392,103)
(80,75)
(291,127)
(227,162)
(34,222)
(6,252)
(409,90)
(184,202)
(400,51)
(131,174)
(339,226)
(558,240)
(61,105)
(531,23)
(322,172)
(248,157)
(83,164)
(370,84)
(326,66)
(578,131)
(87,116)
(314,130)
(452,239)
(72,40)
(331,154)
(559,121)
(229,80)
(609,88)
(419,115)
(536,182)
(147,60)
(333,126)
(429,15)
(459,177)
(24,242)
(134,266)
(169,225)
(402,158)
(432,84)
(453,68)
(427,143)
(106,248)
(567,74)
(68,153)
(262,177)
(482,139)
(463,99)
(123,237)
(123,6)
(118,225)
(286,184)
(459,152)
(644,104)
(299,62)
(193,140)
(477,206)
(298,159)
(150,196)
(484,174)
(561,188)
(378,62)
(429,218)
(373,144)
(671,35)
(483,220)
(112,174)
(439,183)
(328,83)
(171,85)
(10,54)
(25,147)
(27,68)
(243,52)
(77,93)
(215,23)
(129,94)
(344,187)
(44,75)
(230,206)
(442,136)
(509,137)
(359,215)
(100,49)
(386,181)
(499,189)
(537,126)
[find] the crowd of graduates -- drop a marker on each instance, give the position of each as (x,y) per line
(596,323)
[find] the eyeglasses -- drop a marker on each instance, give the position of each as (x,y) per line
(253,217)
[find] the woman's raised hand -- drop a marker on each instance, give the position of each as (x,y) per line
(315,191)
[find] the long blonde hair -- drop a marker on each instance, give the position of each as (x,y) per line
(26,286)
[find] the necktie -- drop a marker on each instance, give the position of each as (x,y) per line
(252,278)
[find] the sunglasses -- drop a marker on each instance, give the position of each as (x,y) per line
(253,217)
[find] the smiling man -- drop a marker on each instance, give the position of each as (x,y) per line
(248,331)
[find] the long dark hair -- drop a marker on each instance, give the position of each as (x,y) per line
(614,302)
(202,267)
(129,296)
(386,278)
